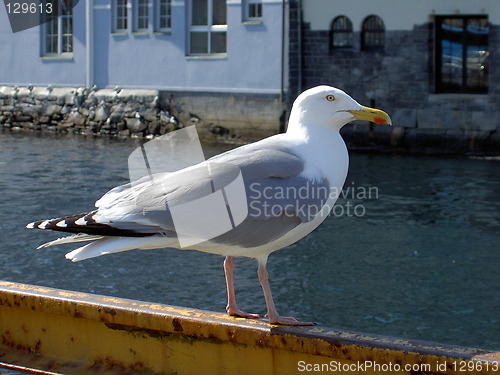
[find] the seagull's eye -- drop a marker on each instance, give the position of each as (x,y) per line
(330,98)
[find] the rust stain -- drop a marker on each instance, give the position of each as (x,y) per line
(177,325)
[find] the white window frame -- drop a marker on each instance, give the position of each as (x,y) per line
(137,17)
(167,17)
(246,10)
(59,25)
(116,27)
(208,29)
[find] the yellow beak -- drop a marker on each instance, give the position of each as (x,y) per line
(370,114)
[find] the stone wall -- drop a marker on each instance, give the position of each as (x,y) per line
(400,80)
(139,113)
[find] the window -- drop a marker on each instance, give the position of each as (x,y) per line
(58,35)
(341,33)
(141,15)
(252,10)
(373,34)
(208,27)
(163,15)
(141,12)
(462,54)
(120,13)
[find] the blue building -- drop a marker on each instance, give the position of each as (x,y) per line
(187,47)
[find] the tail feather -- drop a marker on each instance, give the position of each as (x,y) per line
(109,245)
(80,237)
(84,223)
(64,224)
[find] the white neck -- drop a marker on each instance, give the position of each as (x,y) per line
(323,149)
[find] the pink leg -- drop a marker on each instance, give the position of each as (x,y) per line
(274,317)
(231,308)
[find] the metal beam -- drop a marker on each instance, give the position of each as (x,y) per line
(58,331)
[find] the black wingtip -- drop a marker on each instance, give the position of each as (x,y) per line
(83,223)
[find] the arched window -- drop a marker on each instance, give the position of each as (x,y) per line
(341,33)
(373,34)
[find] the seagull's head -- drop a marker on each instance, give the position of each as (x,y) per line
(331,108)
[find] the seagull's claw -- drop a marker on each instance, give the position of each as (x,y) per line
(241,314)
(289,321)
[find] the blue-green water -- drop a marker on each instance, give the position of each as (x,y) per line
(412,250)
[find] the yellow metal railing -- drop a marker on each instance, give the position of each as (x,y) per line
(57,331)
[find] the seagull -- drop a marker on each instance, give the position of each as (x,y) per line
(291,181)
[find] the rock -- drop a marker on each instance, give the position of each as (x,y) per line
(194,120)
(84,111)
(40,93)
(120,126)
(218,130)
(117,113)
(166,128)
(52,109)
(33,110)
(107,126)
(24,118)
(102,113)
(76,118)
(95,126)
(150,115)
(154,127)
(50,128)
(70,98)
(35,126)
(164,117)
(63,126)
(136,124)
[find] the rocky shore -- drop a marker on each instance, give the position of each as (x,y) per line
(117,112)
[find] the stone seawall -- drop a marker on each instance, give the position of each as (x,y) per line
(139,113)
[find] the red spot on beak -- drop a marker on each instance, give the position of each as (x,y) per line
(379,120)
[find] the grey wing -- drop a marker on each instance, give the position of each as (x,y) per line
(275,207)
(278,198)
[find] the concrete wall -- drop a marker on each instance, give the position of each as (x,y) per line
(399,79)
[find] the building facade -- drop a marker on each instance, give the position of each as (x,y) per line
(225,61)
(434,66)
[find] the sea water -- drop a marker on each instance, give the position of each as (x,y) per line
(412,248)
